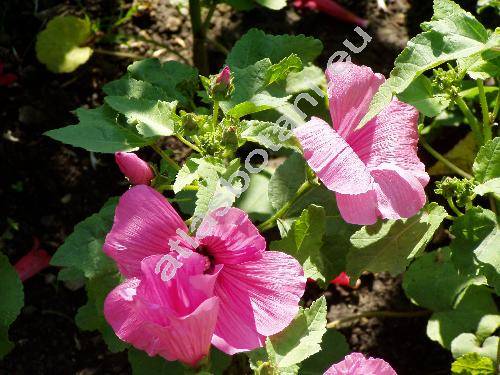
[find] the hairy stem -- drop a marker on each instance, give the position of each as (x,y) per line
(271,222)
(165,157)
(171,187)
(484,110)
(473,122)
(189,144)
(453,207)
(378,314)
(443,160)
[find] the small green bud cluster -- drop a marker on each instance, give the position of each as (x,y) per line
(462,190)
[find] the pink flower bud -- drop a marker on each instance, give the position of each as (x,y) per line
(33,262)
(134,168)
(224,76)
(333,9)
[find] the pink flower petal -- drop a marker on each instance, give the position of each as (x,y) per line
(257,298)
(165,318)
(333,160)
(399,193)
(391,137)
(230,236)
(358,209)
(358,364)
(144,223)
(350,90)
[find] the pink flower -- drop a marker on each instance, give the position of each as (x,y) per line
(333,9)
(224,76)
(374,171)
(6,79)
(342,279)
(134,168)
(33,262)
(248,292)
(358,364)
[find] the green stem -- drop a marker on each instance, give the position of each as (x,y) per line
(208,17)
(453,207)
(164,156)
(171,187)
(189,144)
(378,314)
(449,217)
(271,222)
(442,159)
(474,124)
(484,110)
(496,108)
(215,116)
(126,55)
(200,58)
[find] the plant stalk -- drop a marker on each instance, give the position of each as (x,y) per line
(378,314)
(487,134)
(443,160)
(164,156)
(200,57)
(473,122)
(271,222)
(189,144)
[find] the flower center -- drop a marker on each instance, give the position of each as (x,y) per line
(210,265)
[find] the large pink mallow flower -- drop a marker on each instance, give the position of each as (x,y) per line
(374,171)
(223,288)
(358,364)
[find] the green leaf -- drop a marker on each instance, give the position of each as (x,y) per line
(390,245)
(287,179)
(212,194)
(142,364)
(247,108)
(301,339)
(452,33)
(464,317)
(272,4)
(219,361)
(487,163)
(473,364)
(267,134)
(255,45)
(254,200)
(177,80)
(60,46)
(469,343)
(482,65)
(82,249)
(90,317)
(302,81)
(153,117)
(12,300)
(304,241)
(432,281)
(490,186)
(281,70)
(421,94)
(133,88)
(100,131)
(483,4)
(334,348)
(186,175)
(476,243)
(250,86)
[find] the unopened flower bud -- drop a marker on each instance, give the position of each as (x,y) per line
(224,76)
(221,86)
(134,168)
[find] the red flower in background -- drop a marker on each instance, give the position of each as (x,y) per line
(333,9)
(6,79)
(36,260)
